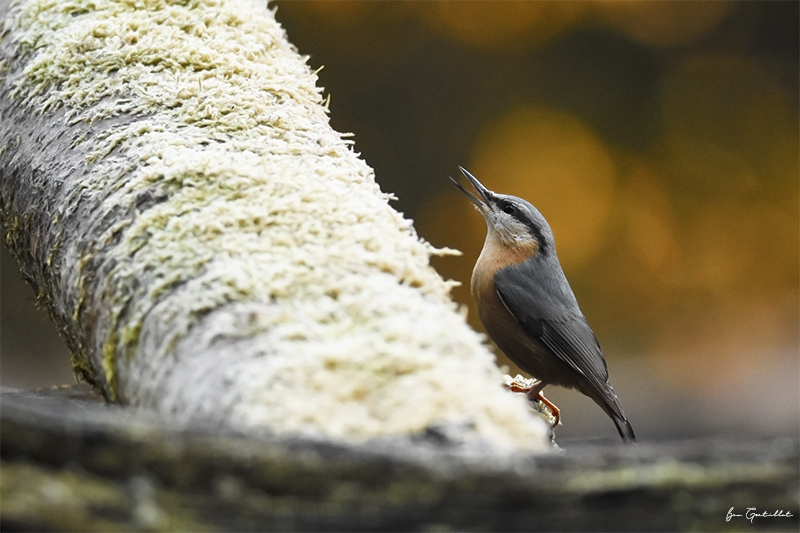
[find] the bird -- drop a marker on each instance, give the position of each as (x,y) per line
(528,309)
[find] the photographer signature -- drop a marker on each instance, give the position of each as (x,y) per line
(752,513)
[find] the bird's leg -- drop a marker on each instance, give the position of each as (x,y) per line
(534,394)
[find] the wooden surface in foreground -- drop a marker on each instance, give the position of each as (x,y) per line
(73,463)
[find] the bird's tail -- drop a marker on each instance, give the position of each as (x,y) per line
(606,398)
(624,428)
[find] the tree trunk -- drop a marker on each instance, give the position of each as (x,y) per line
(209,247)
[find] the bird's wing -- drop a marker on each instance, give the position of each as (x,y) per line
(548,311)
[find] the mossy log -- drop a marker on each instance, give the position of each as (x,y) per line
(73,463)
(209,247)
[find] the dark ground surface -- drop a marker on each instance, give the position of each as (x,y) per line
(73,463)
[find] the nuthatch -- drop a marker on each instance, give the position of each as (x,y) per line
(528,309)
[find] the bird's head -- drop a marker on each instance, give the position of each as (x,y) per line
(512,221)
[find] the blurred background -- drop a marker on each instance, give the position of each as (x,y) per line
(659,139)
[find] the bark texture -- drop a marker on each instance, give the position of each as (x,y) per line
(209,247)
(72,464)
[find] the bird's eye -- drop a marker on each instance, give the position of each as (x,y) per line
(509,209)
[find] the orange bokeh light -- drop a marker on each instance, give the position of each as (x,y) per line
(660,23)
(501,24)
(554,161)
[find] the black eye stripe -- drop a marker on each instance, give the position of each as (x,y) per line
(519,214)
(508,207)
(537,235)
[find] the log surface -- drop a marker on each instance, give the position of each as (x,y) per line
(208,246)
(73,463)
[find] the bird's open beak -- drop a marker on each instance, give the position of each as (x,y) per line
(483,204)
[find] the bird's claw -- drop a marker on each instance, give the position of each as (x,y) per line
(555,412)
(533,390)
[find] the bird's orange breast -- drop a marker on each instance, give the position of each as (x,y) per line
(504,328)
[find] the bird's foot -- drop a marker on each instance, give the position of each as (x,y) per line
(533,390)
(555,412)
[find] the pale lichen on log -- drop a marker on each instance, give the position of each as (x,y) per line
(209,246)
